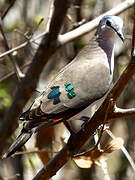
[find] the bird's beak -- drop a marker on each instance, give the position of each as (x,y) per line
(120,34)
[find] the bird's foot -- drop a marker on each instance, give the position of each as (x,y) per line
(85,119)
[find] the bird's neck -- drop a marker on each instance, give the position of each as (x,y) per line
(105,40)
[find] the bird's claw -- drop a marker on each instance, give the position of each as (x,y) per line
(85,119)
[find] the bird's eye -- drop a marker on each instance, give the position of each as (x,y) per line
(108,23)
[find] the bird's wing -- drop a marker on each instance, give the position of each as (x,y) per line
(77,85)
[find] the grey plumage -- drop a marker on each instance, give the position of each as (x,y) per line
(83,81)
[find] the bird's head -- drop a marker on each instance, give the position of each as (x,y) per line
(111,25)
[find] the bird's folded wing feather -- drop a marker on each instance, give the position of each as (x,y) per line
(78,84)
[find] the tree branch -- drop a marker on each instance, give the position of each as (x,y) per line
(7,10)
(13,60)
(122,113)
(10,74)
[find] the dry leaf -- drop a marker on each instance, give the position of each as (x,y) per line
(114,145)
(86,159)
(83,163)
(44,139)
(44,156)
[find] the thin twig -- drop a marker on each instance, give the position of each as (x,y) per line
(30,161)
(51,10)
(105,169)
(5,77)
(31,152)
(121,113)
(75,24)
(13,60)
(37,26)
(129,158)
(26,36)
(133,36)
(110,106)
(7,10)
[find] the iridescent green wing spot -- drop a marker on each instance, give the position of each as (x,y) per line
(70,89)
(54,94)
(71,94)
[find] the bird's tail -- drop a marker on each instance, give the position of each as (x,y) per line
(29,128)
(34,121)
(19,142)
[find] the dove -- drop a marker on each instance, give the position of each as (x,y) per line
(86,79)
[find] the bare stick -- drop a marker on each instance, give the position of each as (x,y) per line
(110,106)
(123,150)
(104,169)
(16,67)
(13,72)
(50,14)
(7,10)
(122,113)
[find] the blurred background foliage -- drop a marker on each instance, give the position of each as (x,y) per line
(26,19)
